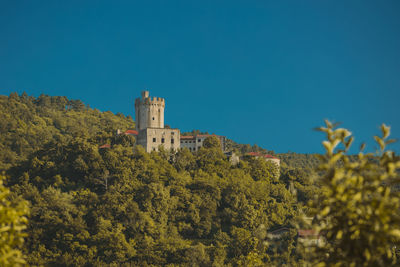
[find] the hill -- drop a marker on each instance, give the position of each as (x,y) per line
(119,205)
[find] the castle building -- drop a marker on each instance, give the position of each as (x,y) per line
(149,115)
(193,143)
(151,133)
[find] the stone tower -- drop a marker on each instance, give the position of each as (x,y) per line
(149,112)
(149,115)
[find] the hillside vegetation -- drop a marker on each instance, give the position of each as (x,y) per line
(119,205)
(28,123)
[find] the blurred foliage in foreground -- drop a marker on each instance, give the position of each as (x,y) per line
(12,224)
(358,210)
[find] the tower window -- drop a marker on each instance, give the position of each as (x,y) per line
(154,140)
(162,140)
(153,118)
(172,140)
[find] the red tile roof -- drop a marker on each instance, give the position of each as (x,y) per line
(105,146)
(187,137)
(307,233)
(133,132)
(270,156)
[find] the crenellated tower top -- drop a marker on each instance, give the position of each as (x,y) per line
(149,112)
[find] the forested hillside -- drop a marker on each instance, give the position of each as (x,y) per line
(28,123)
(119,205)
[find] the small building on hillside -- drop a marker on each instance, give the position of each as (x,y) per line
(309,237)
(128,132)
(233,158)
(131,132)
(267,157)
(278,233)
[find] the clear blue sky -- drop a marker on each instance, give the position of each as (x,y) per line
(260,72)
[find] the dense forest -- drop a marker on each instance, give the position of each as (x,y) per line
(95,205)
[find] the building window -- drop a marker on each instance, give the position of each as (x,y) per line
(198,147)
(162,140)
(199,140)
(153,118)
(154,140)
(172,140)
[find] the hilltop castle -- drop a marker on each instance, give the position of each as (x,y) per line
(151,132)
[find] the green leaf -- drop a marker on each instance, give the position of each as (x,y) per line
(339,234)
(385,130)
(325,211)
(362,147)
(395,233)
(380,142)
(349,142)
(328,124)
(390,141)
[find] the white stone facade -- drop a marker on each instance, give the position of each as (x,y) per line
(193,143)
(152,138)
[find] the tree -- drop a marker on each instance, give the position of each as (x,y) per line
(358,210)
(212,142)
(12,224)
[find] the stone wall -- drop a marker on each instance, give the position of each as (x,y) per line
(152,138)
